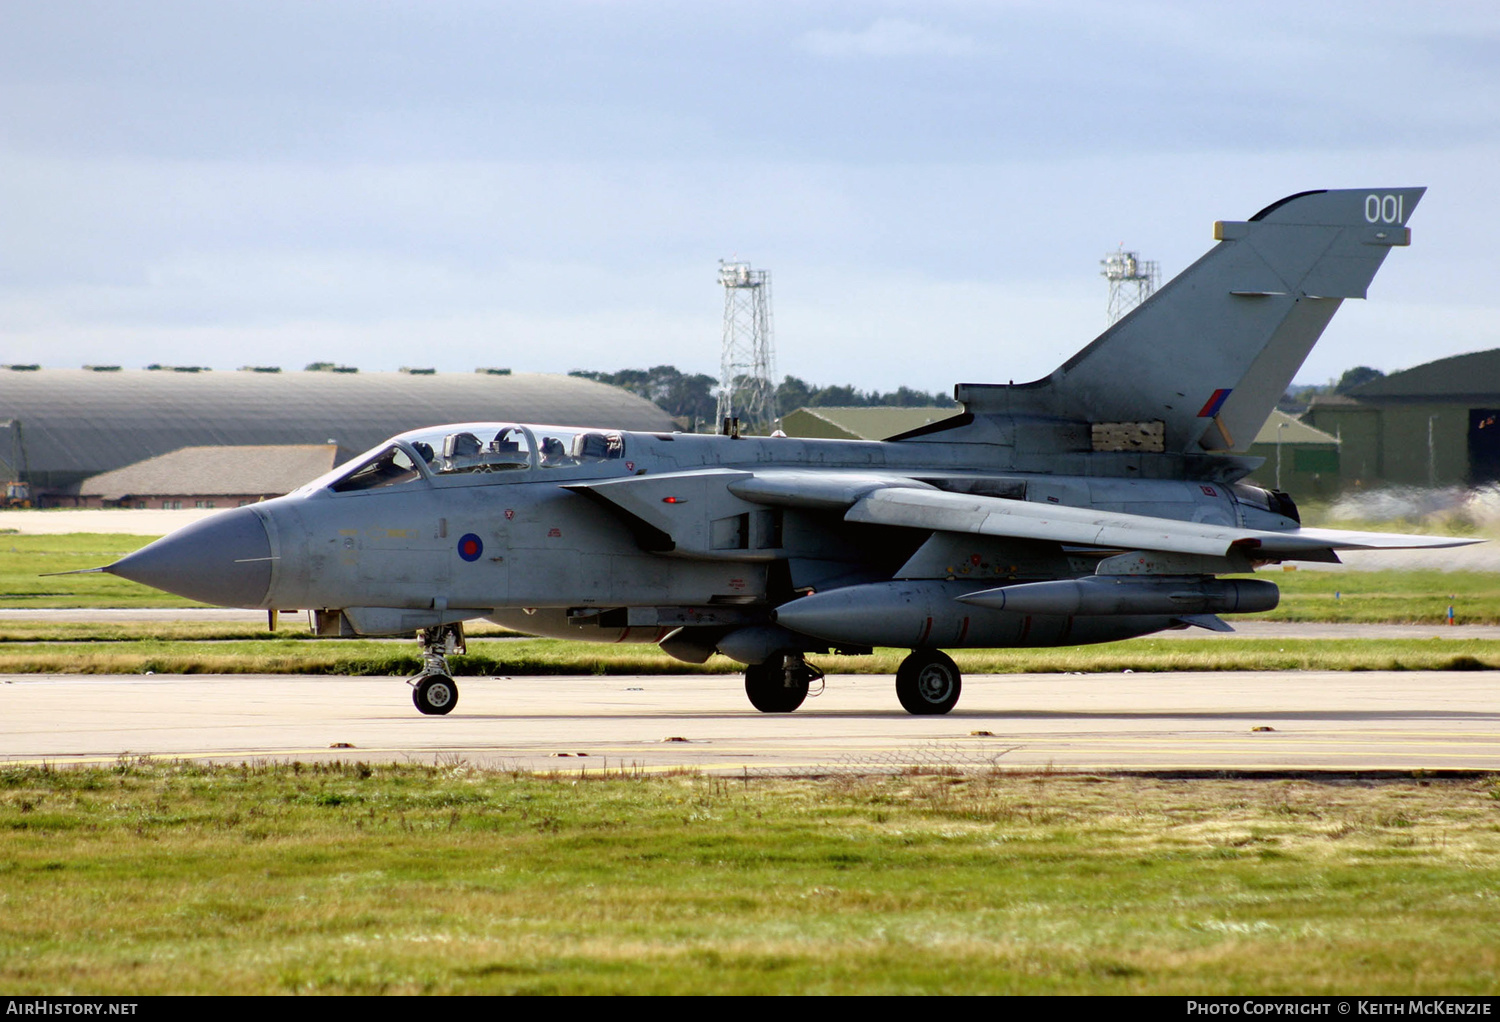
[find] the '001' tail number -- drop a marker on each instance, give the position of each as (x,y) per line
(1385,209)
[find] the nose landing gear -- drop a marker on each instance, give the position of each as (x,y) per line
(434,690)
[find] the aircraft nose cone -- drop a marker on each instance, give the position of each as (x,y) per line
(224,559)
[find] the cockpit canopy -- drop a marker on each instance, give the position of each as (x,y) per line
(476,449)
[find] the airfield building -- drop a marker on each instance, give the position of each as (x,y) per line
(1299,459)
(210,477)
(1436,424)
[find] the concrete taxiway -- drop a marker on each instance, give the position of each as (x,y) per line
(1167,721)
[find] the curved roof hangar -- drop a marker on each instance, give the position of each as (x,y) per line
(78,422)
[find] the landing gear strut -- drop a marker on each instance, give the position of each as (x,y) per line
(433,690)
(928,682)
(780,683)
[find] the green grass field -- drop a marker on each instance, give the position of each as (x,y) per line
(345,878)
(1384,597)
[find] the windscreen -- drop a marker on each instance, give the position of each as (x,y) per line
(391,467)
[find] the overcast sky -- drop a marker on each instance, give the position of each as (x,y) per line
(549,186)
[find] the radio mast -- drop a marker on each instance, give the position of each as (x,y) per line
(1131,281)
(747,364)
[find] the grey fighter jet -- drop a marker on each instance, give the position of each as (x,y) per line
(1099,503)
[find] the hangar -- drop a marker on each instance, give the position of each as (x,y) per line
(1437,424)
(60,426)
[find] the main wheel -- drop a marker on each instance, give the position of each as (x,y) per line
(435,694)
(928,682)
(766,686)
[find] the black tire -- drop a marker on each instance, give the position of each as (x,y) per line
(928,682)
(766,686)
(435,694)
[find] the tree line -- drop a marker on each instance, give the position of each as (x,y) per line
(692,396)
(1296,399)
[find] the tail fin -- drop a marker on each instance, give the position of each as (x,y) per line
(1209,354)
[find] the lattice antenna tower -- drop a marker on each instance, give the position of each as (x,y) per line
(1131,281)
(747,365)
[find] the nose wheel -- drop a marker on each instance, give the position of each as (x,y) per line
(435,694)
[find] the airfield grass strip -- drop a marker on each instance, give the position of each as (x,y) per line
(176,878)
(1384,597)
(526,657)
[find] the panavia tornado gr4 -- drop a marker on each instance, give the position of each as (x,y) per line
(1099,503)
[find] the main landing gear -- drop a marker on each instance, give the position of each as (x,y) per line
(780,684)
(433,690)
(928,683)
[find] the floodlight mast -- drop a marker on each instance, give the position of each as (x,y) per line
(747,362)
(1131,281)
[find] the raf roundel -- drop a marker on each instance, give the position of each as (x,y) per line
(470,546)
